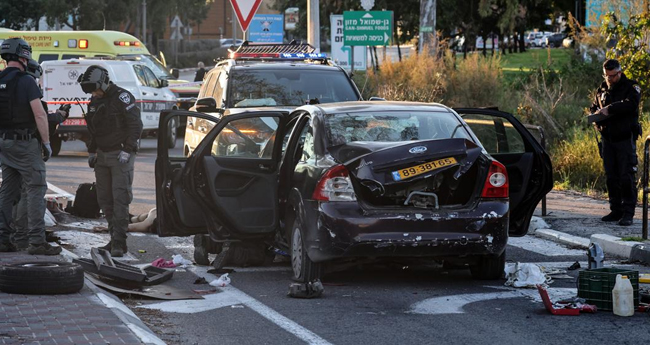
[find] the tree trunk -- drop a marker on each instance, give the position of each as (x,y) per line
(374,50)
(522,44)
(510,43)
(484,46)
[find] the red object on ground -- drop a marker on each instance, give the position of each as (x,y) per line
(160,262)
(549,305)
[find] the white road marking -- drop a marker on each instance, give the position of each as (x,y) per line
(230,296)
(456,304)
(60,191)
(543,247)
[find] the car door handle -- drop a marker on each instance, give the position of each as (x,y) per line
(265,167)
(155,94)
(144,93)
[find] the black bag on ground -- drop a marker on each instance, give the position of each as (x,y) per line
(85,201)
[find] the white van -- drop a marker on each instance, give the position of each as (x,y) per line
(60,86)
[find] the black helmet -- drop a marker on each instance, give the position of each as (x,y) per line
(94,78)
(34,69)
(13,48)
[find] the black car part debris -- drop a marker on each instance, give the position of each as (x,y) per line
(312,289)
(161,291)
(41,278)
(121,274)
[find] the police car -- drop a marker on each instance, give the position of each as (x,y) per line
(60,86)
(280,76)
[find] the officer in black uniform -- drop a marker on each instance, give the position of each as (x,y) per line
(23,155)
(617,99)
(20,237)
(115,126)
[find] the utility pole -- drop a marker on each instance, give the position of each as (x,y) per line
(234,25)
(427,26)
(313,24)
(144,22)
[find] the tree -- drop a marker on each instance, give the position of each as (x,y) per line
(20,15)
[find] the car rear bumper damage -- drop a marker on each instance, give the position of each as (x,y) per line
(345,230)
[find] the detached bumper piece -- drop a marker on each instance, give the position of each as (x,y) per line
(564,308)
(114,272)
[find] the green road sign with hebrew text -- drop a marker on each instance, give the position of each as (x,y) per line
(372,28)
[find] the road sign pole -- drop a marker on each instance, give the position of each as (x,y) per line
(313,24)
(352,60)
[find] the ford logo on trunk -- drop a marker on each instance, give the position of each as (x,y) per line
(418,149)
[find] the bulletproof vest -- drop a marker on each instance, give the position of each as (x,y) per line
(13,114)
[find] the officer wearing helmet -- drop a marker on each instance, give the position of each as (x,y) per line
(115,126)
(20,238)
(22,121)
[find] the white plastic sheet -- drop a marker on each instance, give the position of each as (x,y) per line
(222,281)
(525,275)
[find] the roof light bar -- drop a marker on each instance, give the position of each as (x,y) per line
(286,56)
(127,43)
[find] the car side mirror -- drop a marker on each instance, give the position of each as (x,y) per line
(175,72)
(163,83)
(374,98)
(208,104)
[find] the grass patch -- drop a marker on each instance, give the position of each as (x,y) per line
(533,58)
(632,239)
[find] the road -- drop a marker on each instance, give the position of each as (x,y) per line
(371,304)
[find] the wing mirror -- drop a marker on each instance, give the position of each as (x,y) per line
(175,72)
(163,83)
(208,104)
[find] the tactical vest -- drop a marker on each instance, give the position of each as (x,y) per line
(13,115)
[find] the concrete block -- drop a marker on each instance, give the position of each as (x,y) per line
(613,245)
(563,238)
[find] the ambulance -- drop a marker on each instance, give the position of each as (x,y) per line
(64,45)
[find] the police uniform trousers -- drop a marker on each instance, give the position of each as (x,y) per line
(22,165)
(114,193)
(620,161)
(20,224)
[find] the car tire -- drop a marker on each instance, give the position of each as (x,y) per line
(41,278)
(201,256)
(55,143)
(172,134)
(489,267)
(304,270)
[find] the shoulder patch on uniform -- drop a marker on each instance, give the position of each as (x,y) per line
(637,88)
(124,97)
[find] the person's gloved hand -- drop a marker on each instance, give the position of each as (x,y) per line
(123,157)
(92,159)
(47,152)
(65,110)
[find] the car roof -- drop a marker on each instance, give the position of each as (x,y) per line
(275,65)
(365,106)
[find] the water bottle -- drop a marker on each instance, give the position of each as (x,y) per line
(623,296)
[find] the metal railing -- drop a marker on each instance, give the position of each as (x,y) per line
(644,185)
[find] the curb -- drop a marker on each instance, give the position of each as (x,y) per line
(614,245)
(563,238)
(132,321)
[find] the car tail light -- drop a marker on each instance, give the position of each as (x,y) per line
(496,183)
(335,185)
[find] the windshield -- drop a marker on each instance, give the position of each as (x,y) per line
(155,65)
(283,87)
(392,126)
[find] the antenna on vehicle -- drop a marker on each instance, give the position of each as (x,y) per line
(82,109)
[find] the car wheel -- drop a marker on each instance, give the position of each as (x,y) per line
(489,267)
(304,270)
(41,278)
(172,134)
(201,250)
(55,143)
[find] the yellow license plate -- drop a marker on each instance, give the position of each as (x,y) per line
(413,171)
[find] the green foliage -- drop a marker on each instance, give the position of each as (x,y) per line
(16,14)
(632,49)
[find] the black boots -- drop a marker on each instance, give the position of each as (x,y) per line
(613,216)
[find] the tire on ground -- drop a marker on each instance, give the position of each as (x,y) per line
(489,267)
(41,278)
(304,270)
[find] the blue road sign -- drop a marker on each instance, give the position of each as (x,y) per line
(266,28)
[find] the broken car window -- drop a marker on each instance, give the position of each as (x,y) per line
(392,126)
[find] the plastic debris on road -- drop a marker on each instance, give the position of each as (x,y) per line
(306,290)
(179,260)
(162,263)
(525,275)
(221,281)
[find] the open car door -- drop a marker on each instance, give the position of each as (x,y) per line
(225,181)
(529,166)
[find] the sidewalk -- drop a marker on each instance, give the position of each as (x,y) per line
(573,219)
(90,316)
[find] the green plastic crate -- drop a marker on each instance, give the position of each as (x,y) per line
(596,285)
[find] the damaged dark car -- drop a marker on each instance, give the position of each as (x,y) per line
(357,180)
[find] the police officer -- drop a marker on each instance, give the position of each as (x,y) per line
(115,126)
(617,99)
(20,237)
(23,156)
